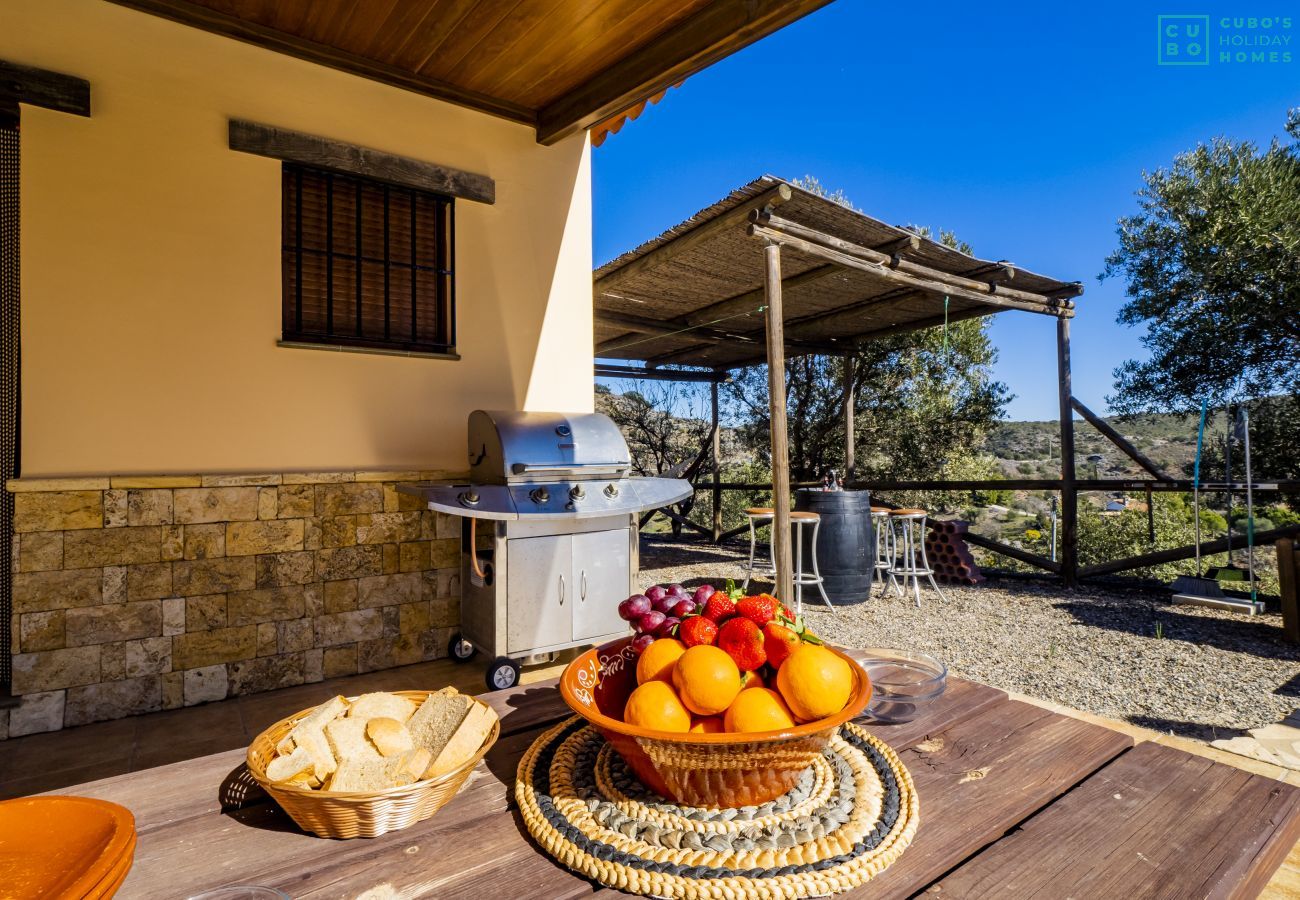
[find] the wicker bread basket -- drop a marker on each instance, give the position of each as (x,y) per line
(343,814)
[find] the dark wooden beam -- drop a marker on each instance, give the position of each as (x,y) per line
(688,240)
(291,45)
(716,31)
(311,150)
(43,88)
(1186,552)
(1118,440)
(1033,559)
(1069,557)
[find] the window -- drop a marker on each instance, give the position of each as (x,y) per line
(367,263)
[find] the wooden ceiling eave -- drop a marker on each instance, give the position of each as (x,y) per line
(604,82)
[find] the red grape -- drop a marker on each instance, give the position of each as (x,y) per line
(634,607)
(676,590)
(664,603)
(655,593)
(641,641)
(682,608)
(665,629)
(703,593)
(650,621)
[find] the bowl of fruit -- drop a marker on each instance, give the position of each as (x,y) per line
(725,708)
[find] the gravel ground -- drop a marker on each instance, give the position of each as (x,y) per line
(1211,674)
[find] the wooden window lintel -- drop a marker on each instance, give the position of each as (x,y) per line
(326,153)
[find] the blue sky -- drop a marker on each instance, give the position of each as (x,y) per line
(1023,128)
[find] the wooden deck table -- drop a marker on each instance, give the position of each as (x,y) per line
(1016,801)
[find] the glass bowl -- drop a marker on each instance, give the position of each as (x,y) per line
(903,682)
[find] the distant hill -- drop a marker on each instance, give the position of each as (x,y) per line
(1032,449)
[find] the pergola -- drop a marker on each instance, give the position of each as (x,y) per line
(772,271)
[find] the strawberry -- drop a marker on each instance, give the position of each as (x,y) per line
(719,607)
(696,630)
(743,642)
(760,610)
(779,642)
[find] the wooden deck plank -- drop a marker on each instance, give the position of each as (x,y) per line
(982,777)
(1156,822)
(960,701)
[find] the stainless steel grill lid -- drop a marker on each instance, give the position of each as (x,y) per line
(549,465)
(509,447)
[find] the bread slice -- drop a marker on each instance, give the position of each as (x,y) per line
(389,736)
(465,742)
(389,706)
(437,719)
(315,720)
(284,768)
(315,743)
(347,740)
(377,774)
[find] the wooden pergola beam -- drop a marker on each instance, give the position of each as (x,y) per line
(781,555)
(699,334)
(606,370)
(690,239)
(899,270)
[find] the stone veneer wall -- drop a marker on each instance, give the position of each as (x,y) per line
(144,593)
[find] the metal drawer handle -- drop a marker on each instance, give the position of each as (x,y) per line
(584,585)
(561,590)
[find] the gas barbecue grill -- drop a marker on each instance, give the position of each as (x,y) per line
(556,549)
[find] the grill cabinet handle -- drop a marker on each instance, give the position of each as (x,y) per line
(561,590)
(584,585)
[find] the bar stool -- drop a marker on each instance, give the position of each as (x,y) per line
(758,517)
(798,519)
(911,562)
(883,530)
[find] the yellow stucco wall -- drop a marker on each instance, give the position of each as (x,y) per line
(151,262)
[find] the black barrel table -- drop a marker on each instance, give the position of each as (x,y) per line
(846,549)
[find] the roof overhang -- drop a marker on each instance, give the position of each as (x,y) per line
(558,65)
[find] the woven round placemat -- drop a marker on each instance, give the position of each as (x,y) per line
(851,815)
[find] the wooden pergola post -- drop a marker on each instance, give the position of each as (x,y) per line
(849,443)
(780,443)
(716,451)
(1069,558)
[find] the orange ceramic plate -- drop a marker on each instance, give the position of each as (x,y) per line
(112,880)
(63,846)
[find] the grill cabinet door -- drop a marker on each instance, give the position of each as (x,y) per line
(601,561)
(540,592)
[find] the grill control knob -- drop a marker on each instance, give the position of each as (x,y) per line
(611,491)
(540,495)
(576,492)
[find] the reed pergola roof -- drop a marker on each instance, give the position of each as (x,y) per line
(694,295)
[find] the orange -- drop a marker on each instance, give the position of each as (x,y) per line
(707,679)
(751,679)
(814,682)
(707,725)
(758,709)
(654,705)
(657,660)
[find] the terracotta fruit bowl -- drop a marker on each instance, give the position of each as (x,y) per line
(710,770)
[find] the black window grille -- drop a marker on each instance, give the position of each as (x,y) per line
(367,263)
